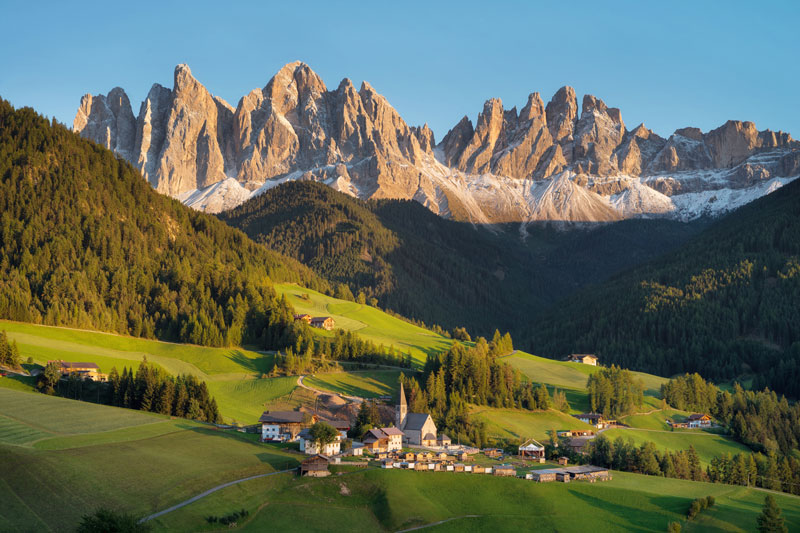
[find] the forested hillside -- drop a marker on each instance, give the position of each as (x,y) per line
(724,305)
(86,242)
(439,271)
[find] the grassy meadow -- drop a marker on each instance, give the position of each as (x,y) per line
(708,445)
(371,324)
(393,500)
(515,424)
(365,384)
(62,458)
(232,374)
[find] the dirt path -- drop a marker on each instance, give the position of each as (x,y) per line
(210,491)
(439,522)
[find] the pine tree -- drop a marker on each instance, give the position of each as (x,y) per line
(771,519)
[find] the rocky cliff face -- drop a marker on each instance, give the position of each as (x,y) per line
(544,162)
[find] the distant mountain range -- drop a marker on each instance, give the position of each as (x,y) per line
(554,162)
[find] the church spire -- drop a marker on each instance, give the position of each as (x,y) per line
(402,409)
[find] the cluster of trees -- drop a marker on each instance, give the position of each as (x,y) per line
(472,375)
(614,391)
(86,242)
(724,305)
(368,417)
(757,470)
(622,454)
(9,352)
(760,419)
(149,388)
(698,505)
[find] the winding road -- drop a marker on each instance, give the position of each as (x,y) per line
(210,491)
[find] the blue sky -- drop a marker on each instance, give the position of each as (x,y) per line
(668,64)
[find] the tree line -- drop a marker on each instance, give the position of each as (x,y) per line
(759,419)
(149,388)
(9,352)
(614,391)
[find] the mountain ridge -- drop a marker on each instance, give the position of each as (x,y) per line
(187,142)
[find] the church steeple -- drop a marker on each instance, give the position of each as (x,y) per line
(402,409)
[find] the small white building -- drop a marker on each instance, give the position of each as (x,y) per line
(309,446)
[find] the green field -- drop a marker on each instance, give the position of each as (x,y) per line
(87,455)
(515,424)
(232,374)
(392,500)
(569,375)
(62,458)
(655,420)
(371,324)
(365,384)
(708,445)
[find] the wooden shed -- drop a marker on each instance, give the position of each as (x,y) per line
(315,466)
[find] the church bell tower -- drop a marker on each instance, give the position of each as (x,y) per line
(402,409)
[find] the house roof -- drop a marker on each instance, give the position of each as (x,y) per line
(429,436)
(415,421)
(579,442)
(698,416)
(442,436)
(316,458)
(531,444)
(374,434)
(391,431)
(320,318)
(338,424)
(589,416)
(282,417)
(68,366)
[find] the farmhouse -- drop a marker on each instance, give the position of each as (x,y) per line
(383,439)
(585,358)
(419,428)
(323,322)
(82,370)
(303,317)
(588,472)
(311,447)
(315,466)
(282,426)
(531,448)
(594,419)
(699,421)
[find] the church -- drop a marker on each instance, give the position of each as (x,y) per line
(418,427)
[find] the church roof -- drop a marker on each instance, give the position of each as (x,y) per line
(415,421)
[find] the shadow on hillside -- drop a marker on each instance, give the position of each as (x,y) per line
(636,518)
(260,365)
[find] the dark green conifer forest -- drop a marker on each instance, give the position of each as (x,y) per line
(86,242)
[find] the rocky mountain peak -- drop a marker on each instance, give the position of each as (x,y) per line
(562,114)
(553,160)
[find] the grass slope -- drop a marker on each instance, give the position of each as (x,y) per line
(515,424)
(371,324)
(78,456)
(366,384)
(392,500)
(231,373)
(708,445)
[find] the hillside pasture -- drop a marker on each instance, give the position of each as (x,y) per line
(83,456)
(708,445)
(517,424)
(370,323)
(364,384)
(393,500)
